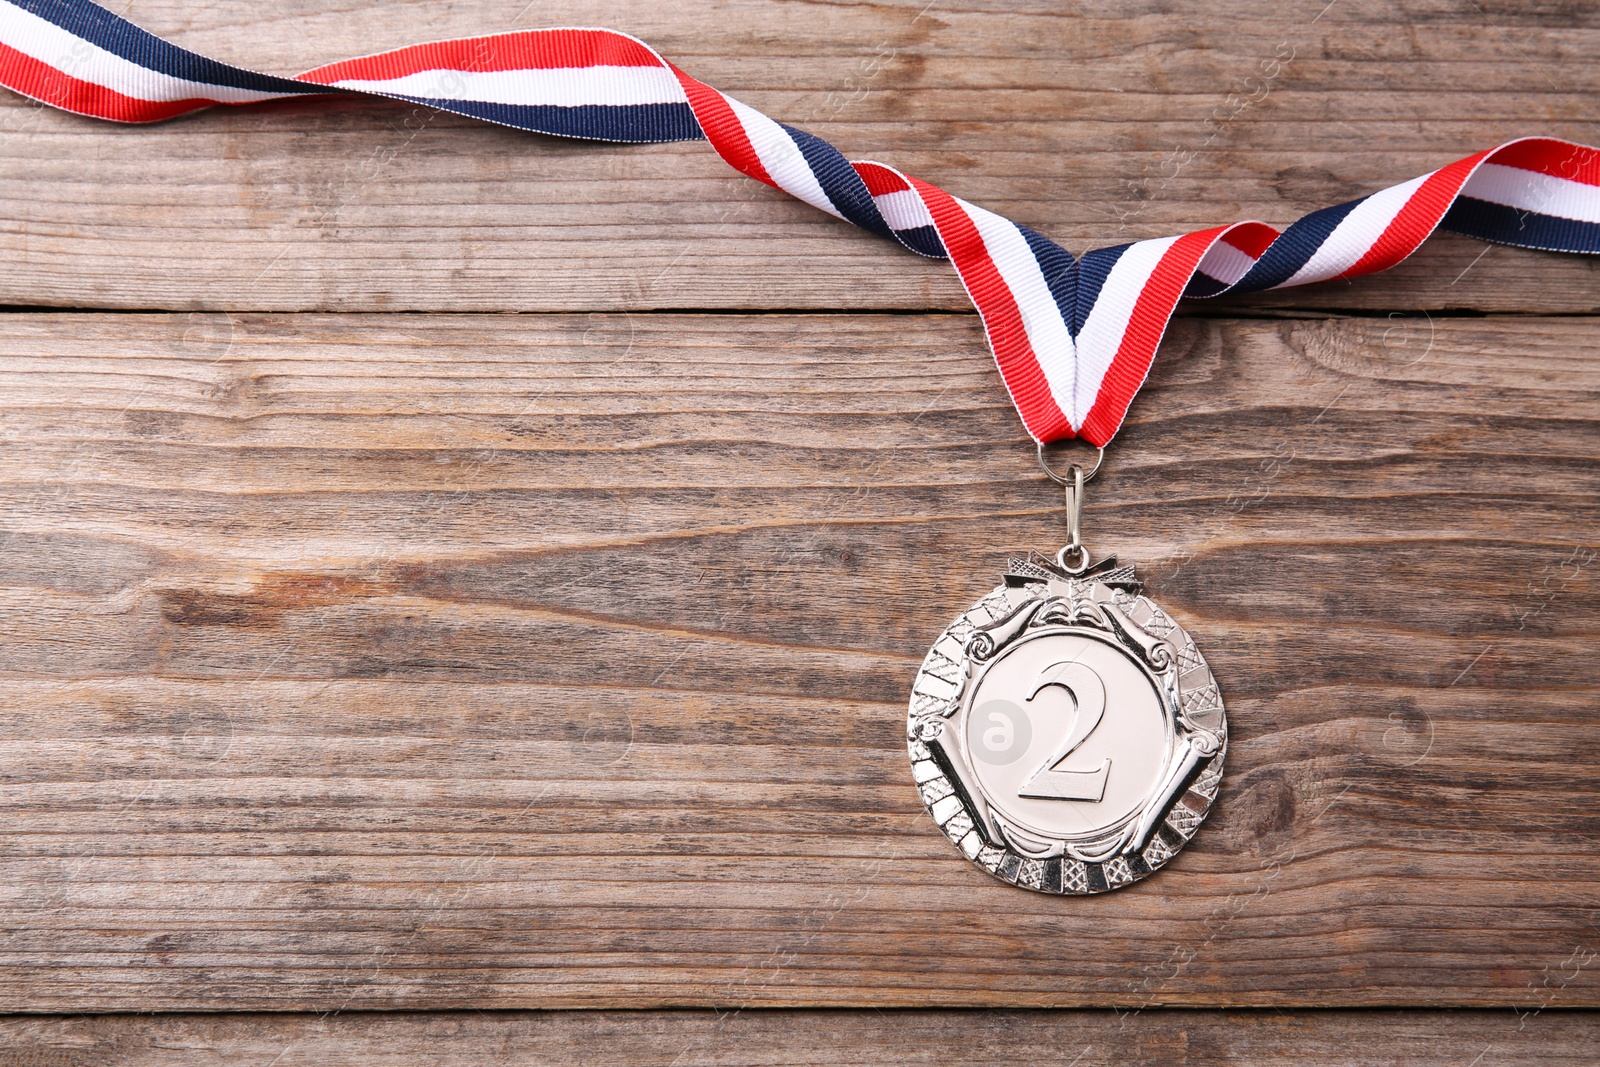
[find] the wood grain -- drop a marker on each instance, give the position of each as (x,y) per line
(1096,126)
(814,1039)
(357,662)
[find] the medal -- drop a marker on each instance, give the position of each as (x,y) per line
(1064,731)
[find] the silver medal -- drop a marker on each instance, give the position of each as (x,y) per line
(1064,731)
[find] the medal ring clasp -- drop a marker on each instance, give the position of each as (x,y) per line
(1068,478)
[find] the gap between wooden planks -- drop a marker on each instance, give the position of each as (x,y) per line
(813,1039)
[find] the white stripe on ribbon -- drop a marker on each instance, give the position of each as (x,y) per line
(1102,331)
(1528,190)
(561,87)
(1048,336)
(1356,233)
(781,157)
(53,46)
(1226,263)
(903,210)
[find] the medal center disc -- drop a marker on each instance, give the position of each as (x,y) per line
(1067,734)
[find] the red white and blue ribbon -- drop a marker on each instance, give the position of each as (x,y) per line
(1074,338)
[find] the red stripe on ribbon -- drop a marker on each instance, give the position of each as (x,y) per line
(1002,319)
(880,180)
(45,83)
(1151,311)
(1413,223)
(1558,159)
(722,127)
(528,50)
(1251,238)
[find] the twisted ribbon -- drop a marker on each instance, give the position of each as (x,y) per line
(1074,338)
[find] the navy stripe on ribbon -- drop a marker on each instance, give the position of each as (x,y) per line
(122,38)
(1092,272)
(1294,248)
(846,191)
(923,240)
(1060,272)
(1204,285)
(1514,226)
(630,123)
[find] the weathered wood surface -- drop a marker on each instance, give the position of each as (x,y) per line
(1095,125)
(533,661)
(810,1039)
(403,661)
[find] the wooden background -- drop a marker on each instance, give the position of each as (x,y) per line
(450,574)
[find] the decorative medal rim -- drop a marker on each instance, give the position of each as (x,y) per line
(1039,596)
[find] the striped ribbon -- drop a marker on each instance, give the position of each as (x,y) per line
(1074,338)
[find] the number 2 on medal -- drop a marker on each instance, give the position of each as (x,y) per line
(1088,694)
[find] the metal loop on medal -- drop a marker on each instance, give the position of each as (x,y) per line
(1067,478)
(1074,497)
(1078,554)
(1074,557)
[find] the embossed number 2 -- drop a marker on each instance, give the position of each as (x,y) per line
(1088,693)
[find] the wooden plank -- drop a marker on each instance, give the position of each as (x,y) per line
(814,1039)
(361,662)
(1135,121)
